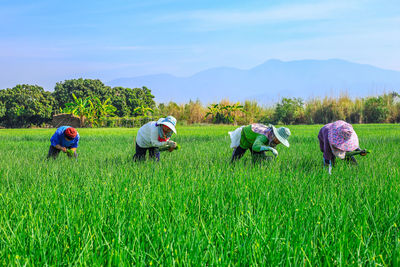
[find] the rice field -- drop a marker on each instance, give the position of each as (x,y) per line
(194,207)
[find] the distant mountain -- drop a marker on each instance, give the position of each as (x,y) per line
(270,81)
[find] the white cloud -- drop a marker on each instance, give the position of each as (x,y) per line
(127,48)
(145,48)
(283,13)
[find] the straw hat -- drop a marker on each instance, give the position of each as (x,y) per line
(282,134)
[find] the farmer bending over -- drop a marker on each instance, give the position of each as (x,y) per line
(338,139)
(258,138)
(65,139)
(154,135)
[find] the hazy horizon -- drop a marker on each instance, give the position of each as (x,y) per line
(45,42)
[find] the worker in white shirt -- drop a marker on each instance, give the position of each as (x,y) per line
(154,135)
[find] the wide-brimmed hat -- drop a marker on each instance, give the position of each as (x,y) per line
(282,134)
(70,133)
(169,121)
(342,136)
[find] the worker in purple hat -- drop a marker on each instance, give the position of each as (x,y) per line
(338,139)
(154,136)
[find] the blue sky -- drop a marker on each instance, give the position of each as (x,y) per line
(44,42)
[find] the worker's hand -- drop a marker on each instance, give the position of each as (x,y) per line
(274,151)
(172,146)
(64,149)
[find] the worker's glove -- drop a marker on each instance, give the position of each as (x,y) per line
(363,152)
(172,144)
(274,151)
(268,148)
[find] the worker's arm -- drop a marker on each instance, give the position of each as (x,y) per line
(259,145)
(55,140)
(259,142)
(170,146)
(63,149)
(358,151)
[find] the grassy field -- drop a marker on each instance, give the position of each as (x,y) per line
(195,208)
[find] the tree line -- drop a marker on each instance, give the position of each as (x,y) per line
(26,105)
(377,109)
(99,105)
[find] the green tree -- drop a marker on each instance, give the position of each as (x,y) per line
(215,111)
(126,100)
(139,97)
(375,110)
(80,108)
(24,105)
(231,112)
(81,88)
(142,111)
(224,113)
(119,100)
(289,111)
(2,109)
(98,111)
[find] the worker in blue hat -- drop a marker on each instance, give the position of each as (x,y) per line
(153,136)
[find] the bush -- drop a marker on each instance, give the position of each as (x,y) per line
(375,110)
(290,111)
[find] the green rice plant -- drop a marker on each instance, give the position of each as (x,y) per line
(194,207)
(168,147)
(70,153)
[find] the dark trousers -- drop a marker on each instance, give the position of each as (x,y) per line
(351,160)
(239,152)
(53,153)
(141,153)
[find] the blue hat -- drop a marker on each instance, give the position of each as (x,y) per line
(169,121)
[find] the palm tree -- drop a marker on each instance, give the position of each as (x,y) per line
(78,108)
(142,110)
(231,111)
(213,110)
(99,111)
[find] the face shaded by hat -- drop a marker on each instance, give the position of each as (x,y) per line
(282,134)
(168,121)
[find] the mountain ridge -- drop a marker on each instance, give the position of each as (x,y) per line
(269,81)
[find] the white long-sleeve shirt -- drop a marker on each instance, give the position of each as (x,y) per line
(147,136)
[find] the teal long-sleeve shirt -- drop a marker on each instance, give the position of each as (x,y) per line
(249,139)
